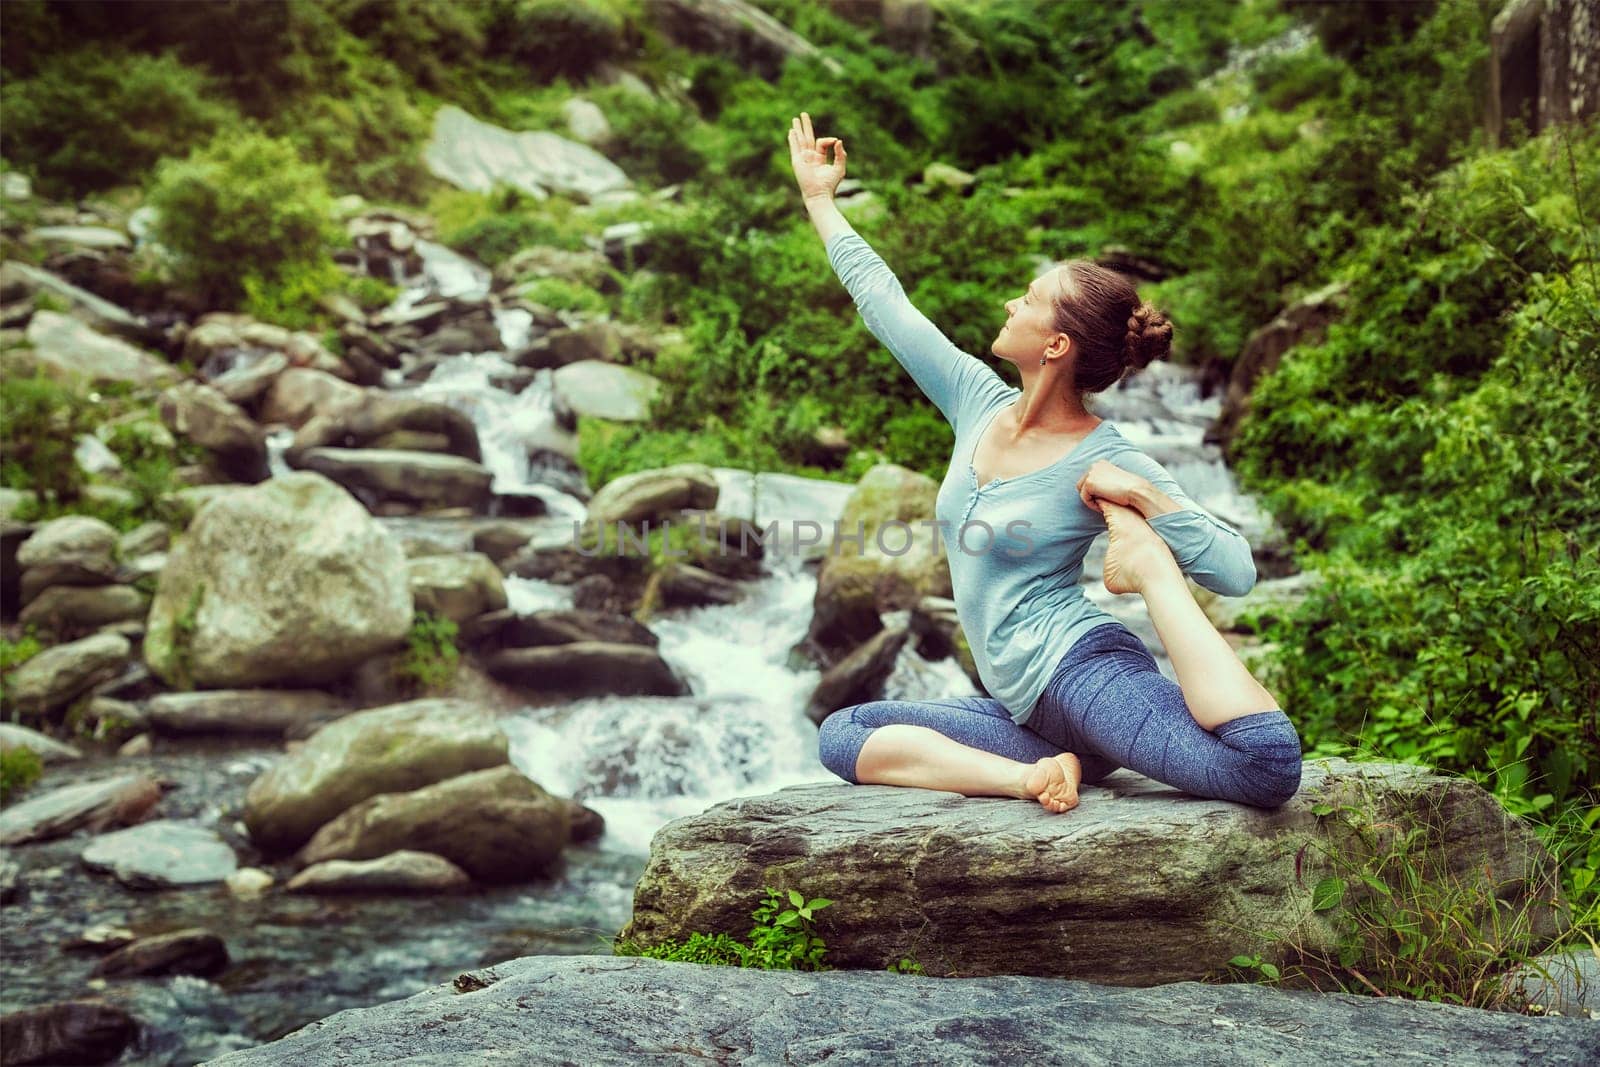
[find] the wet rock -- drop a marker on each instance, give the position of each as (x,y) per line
(22,279)
(249,882)
(191,951)
(10,881)
(241,711)
(300,393)
(143,540)
(562,626)
(971,885)
(603,1009)
(497,825)
(594,340)
(859,677)
(588,668)
(683,585)
(68,1031)
(606,390)
(141,745)
(92,806)
(209,419)
(338,592)
(222,340)
(246,381)
(844,611)
(57,676)
(161,855)
(424,479)
(404,871)
(382,750)
(380,417)
(653,494)
(48,749)
(73,351)
(457,586)
(585,823)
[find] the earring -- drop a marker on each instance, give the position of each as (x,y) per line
(1041,361)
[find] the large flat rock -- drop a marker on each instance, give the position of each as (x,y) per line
(598,1010)
(1139,885)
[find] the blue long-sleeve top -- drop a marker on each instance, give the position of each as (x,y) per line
(1018,595)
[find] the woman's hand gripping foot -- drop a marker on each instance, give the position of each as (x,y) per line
(1136,554)
(1053,781)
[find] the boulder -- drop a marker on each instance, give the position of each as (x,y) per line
(78,608)
(456,587)
(162,854)
(209,419)
(564,626)
(497,825)
(588,668)
(236,712)
(57,676)
(475,155)
(378,418)
(592,341)
(80,541)
(1139,885)
(859,677)
(652,494)
(190,951)
(249,378)
(423,479)
(605,390)
(398,872)
(681,585)
(74,351)
(300,394)
(94,806)
(68,1031)
(382,750)
(25,280)
(288,581)
(222,341)
(48,749)
(603,1009)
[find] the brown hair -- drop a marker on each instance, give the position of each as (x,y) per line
(1113,330)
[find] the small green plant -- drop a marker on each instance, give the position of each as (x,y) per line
(431,656)
(19,768)
(908,965)
(782,939)
(13,653)
(183,630)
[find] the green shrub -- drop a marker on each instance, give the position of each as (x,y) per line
(40,423)
(19,768)
(99,117)
(429,662)
(246,205)
(563,294)
(783,938)
(556,38)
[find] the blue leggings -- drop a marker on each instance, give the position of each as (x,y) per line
(1109,704)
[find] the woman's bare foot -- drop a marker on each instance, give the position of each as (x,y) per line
(1053,781)
(1136,553)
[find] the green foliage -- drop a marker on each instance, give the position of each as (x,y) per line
(15,651)
(246,206)
(19,768)
(783,938)
(429,662)
(289,296)
(1410,914)
(183,631)
(99,117)
(562,294)
(557,38)
(40,423)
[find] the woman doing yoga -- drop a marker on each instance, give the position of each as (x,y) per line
(1034,479)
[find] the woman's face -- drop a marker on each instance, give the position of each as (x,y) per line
(1030,320)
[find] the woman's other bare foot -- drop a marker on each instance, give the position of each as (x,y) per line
(1136,553)
(1053,781)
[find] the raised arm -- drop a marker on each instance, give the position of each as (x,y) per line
(1207,549)
(952,379)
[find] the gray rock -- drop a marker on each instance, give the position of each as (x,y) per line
(559,626)
(379,417)
(1564,982)
(95,237)
(86,542)
(403,871)
(59,675)
(457,586)
(1139,885)
(753,39)
(605,390)
(426,479)
(212,421)
(94,806)
(588,668)
(241,711)
(652,495)
(161,855)
(859,677)
(301,393)
(382,750)
(475,155)
(586,121)
(76,608)
(68,1031)
(48,749)
(144,540)
(605,1010)
(498,825)
(337,592)
(74,351)
(684,585)
(191,951)
(100,313)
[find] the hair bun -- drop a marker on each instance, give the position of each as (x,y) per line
(1149,337)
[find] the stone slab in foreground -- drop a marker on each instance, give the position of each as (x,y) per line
(600,1010)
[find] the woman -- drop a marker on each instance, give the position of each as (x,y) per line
(1076,694)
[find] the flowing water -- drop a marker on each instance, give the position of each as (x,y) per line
(639,761)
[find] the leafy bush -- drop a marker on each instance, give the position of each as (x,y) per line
(98,117)
(556,38)
(246,206)
(40,423)
(782,939)
(19,768)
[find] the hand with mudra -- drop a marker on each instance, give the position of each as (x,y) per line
(809,155)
